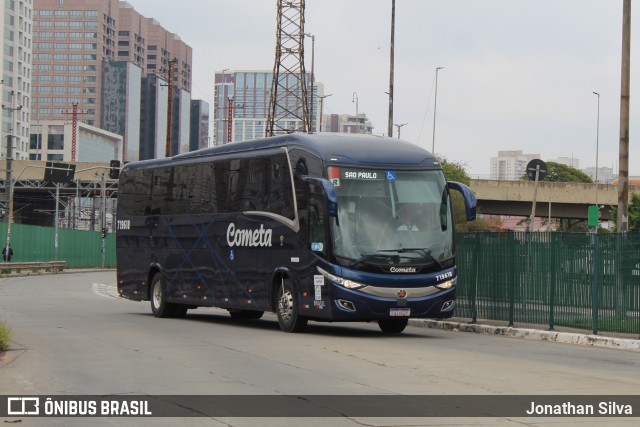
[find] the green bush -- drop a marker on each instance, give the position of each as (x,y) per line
(5,336)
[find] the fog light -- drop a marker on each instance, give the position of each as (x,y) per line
(448,305)
(346,305)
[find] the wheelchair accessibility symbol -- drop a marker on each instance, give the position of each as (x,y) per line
(391,175)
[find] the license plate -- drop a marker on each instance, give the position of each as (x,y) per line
(399,312)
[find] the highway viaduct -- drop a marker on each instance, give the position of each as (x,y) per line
(554,199)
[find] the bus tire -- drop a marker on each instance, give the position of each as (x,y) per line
(289,318)
(179,310)
(392,326)
(159,305)
(245,314)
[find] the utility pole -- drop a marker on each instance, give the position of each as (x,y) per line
(74,128)
(312,107)
(9,158)
(168,150)
(623,169)
(393,29)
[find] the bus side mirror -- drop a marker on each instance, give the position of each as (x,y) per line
(470,201)
(323,186)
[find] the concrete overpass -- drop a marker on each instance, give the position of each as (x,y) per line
(554,199)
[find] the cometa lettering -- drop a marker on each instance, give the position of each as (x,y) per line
(402,269)
(248,237)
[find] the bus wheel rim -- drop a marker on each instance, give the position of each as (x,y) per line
(157,295)
(286,305)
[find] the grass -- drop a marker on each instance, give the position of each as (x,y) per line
(5,336)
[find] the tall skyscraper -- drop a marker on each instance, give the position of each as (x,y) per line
(16,76)
(149,45)
(75,42)
(241,103)
(199,137)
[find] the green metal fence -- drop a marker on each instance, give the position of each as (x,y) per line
(586,281)
(80,249)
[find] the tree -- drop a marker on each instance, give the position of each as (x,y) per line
(634,214)
(454,171)
(557,172)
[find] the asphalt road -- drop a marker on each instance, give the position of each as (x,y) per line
(72,335)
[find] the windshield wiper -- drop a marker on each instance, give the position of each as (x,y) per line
(424,251)
(374,256)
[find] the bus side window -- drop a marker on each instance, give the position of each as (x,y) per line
(317,224)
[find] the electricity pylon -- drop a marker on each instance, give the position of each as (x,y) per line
(288,106)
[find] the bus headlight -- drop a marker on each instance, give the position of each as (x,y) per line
(349,284)
(448,284)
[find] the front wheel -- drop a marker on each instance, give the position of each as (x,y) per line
(392,326)
(288,317)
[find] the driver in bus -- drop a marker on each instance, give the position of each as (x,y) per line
(407,217)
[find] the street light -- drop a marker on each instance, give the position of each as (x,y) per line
(435,105)
(597,149)
(391,65)
(399,126)
(313,48)
(322,97)
(221,109)
(597,140)
(354,98)
(9,160)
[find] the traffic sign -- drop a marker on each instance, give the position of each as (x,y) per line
(531,169)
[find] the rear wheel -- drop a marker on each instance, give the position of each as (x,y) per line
(245,314)
(159,305)
(288,317)
(392,326)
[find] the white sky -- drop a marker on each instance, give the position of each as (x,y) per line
(519,74)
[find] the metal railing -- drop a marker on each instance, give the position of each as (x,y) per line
(79,248)
(584,281)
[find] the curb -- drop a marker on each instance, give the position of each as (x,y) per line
(532,334)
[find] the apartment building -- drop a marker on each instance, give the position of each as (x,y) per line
(81,48)
(16,74)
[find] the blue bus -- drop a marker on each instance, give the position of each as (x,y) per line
(322,227)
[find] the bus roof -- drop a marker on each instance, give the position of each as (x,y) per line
(359,149)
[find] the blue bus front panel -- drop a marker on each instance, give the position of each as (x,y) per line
(411,295)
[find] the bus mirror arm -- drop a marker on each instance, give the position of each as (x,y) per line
(470,201)
(329,193)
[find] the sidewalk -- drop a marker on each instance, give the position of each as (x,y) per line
(580,338)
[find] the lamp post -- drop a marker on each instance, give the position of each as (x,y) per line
(435,105)
(597,149)
(399,126)
(9,159)
(221,109)
(391,56)
(313,48)
(322,97)
(354,98)
(597,141)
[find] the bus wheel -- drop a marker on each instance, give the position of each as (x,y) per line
(392,326)
(288,316)
(245,314)
(159,305)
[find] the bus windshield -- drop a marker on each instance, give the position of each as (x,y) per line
(392,217)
